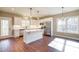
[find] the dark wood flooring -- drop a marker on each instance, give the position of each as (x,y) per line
(18,45)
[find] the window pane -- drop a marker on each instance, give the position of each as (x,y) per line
(25,23)
(61,25)
(4,27)
(72,25)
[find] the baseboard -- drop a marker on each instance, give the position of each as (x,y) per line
(6,38)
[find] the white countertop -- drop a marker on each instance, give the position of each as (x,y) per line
(33,30)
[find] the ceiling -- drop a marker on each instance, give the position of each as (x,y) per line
(43,11)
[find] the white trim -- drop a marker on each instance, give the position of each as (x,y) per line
(78,24)
(68,37)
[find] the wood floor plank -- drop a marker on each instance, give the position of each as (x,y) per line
(18,45)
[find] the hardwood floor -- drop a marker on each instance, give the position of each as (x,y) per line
(18,45)
(42,45)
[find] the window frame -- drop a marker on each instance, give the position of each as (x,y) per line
(66,26)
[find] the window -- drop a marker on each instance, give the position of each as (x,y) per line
(4,24)
(25,23)
(68,24)
(72,24)
(61,25)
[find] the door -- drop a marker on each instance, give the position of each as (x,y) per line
(4,27)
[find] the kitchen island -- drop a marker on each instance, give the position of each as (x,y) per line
(32,35)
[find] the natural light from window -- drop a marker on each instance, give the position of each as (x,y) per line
(68,24)
(64,45)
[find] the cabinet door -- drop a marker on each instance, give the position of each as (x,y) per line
(16,33)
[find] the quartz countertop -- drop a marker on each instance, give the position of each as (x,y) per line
(33,30)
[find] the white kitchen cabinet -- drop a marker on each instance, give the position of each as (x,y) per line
(16,33)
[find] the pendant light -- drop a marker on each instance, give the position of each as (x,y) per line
(30,17)
(63,20)
(37,15)
(62,13)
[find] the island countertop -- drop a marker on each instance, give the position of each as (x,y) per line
(33,30)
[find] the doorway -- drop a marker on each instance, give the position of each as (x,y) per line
(4,25)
